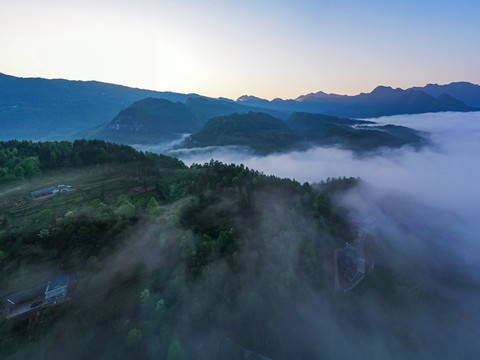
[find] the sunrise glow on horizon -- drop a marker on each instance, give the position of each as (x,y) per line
(227,49)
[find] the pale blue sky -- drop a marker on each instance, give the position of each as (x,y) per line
(229,48)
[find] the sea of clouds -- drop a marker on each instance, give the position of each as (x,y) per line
(443,177)
(445,174)
(425,203)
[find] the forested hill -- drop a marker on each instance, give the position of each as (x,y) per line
(259,131)
(213,261)
(25,159)
(164,259)
(357,135)
(265,134)
(153,120)
(149,120)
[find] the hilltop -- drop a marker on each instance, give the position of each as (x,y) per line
(265,134)
(357,135)
(148,120)
(153,120)
(261,132)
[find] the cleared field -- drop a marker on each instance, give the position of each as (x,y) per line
(89,184)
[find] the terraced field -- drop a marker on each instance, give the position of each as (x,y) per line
(88,185)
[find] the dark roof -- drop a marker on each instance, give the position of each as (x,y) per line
(351,258)
(41,192)
(59,281)
(27,295)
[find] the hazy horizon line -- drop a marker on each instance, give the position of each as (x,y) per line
(133,86)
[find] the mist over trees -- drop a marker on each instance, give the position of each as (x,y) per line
(147,251)
(217,260)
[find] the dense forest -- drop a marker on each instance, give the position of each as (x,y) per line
(25,159)
(143,247)
(152,120)
(211,261)
(265,134)
(261,132)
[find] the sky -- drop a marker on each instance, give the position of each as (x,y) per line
(267,48)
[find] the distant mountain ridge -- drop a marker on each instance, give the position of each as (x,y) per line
(382,101)
(40,109)
(464,91)
(37,108)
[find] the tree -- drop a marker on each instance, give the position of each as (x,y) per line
(134,338)
(144,297)
(31,166)
(45,218)
(152,207)
(175,351)
(160,307)
(126,209)
(19,171)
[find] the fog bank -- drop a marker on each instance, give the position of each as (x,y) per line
(442,175)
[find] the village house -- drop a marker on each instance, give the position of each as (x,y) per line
(27,301)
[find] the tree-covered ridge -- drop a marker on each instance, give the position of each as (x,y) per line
(146,238)
(151,119)
(19,159)
(306,121)
(266,134)
(261,132)
(358,135)
(207,108)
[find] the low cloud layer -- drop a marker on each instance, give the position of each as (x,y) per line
(422,210)
(424,207)
(443,175)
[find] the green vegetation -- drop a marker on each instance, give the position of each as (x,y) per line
(265,134)
(204,262)
(357,135)
(153,244)
(261,132)
(25,159)
(149,121)
(152,120)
